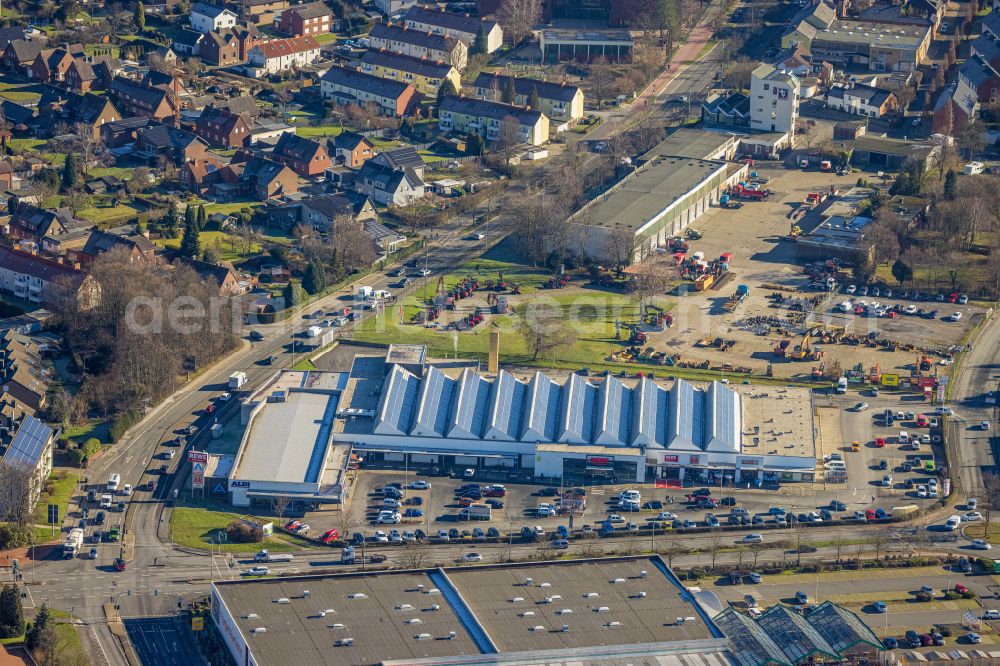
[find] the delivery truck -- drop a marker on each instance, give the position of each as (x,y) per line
(476,512)
(237,380)
(73,544)
(266,556)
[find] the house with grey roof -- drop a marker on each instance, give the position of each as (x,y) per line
(419,44)
(460,26)
(486,117)
(389,186)
(863,100)
(206,18)
(561,102)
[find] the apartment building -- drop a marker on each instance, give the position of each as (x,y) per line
(484,117)
(423,74)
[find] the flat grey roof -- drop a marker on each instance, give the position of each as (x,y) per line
(784,416)
(286,439)
(879,35)
(569,35)
(491,593)
(487,607)
(687,142)
(406,354)
(378,622)
(648,192)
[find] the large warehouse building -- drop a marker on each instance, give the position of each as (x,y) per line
(303,426)
(575,611)
(660,199)
(588,612)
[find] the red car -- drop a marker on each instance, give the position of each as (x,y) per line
(952,298)
(870,514)
(119,564)
(880,442)
(961,589)
(292,524)
(330,535)
(494,492)
(210,409)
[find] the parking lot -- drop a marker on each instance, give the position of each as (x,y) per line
(753,234)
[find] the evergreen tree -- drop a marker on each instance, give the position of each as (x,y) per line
(473,144)
(292,293)
(314,280)
(950,185)
(41,620)
(189,216)
(140,17)
(171,221)
(533,101)
(508,94)
(11,612)
(446,88)
(202,217)
(902,272)
(70,173)
(479,46)
(191,243)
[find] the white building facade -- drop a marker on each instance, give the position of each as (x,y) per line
(774,100)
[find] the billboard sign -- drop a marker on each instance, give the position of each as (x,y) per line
(668,458)
(198,475)
(890,380)
(198,456)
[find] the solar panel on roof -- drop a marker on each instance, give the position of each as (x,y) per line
(28,444)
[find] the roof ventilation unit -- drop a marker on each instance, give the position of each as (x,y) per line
(283,600)
(344,642)
(357,595)
(528,614)
(258,630)
(423,637)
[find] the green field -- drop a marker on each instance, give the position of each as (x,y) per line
(61,494)
(229,246)
(26,144)
(120,173)
(196,527)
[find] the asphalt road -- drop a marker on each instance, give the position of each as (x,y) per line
(978,374)
(162,642)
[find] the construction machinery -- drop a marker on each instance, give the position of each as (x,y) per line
(743,191)
(726,201)
(781,349)
(654,315)
(636,335)
(802,350)
(693,234)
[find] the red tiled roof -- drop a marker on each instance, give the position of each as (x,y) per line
(283,47)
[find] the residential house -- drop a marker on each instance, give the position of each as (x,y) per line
(38,280)
(83,76)
(199,174)
(104,185)
(417,44)
(261,11)
(774,99)
(50,65)
(863,100)
(10,33)
(6,176)
(797,60)
(402,158)
(385,239)
(393,7)
(123,132)
(91,110)
(244,105)
(28,222)
(188,42)
(349,86)
(27,465)
(484,117)
(19,116)
(305,157)
(138,248)
(731,110)
(955,108)
(559,101)
(230,46)
(982,77)
(351,149)
(224,275)
(425,75)
(259,177)
(313,18)
(322,212)
(206,18)
(23,374)
(389,186)
(220,127)
(155,141)
(136,99)
(281,54)
(19,55)
(459,26)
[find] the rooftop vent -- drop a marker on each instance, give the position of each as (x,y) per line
(414,620)
(528,614)
(435,607)
(452,635)
(643,573)
(591,595)
(565,611)
(283,600)
(344,642)
(537,628)
(565,628)
(420,586)
(617,581)
(338,625)
(423,637)
(545,585)
(433,590)
(528,581)
(602,609)
(258,630)
(404,607)
(305,594)
(516,600)
(612,625)
(357,595)
(251,616)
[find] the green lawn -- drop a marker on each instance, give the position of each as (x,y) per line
(21,96)
(55,159)
(107,214)
(312,132)
(229,246)
(195,528)
(70,649)
(85,431)
(118,172)
(304,364)
(61,494)
(231,207)
(326,38)
(25,144)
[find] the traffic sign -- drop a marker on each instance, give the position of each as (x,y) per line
(198,475)
(53,514)
(197,624)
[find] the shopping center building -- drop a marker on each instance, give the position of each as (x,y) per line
(401,409)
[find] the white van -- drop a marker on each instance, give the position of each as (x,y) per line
(836,464)
(113,482)
(904,437)
(842,385)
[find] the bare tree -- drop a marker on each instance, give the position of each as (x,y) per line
(413,556)
(280,504)
(714,546)
(989,498)
(878,540)
(16,501)
(518,17)
(801,541)
(508,139)
(756,548)
(545,329)
(671,549)
(620,246)
(87,141)
(838,541)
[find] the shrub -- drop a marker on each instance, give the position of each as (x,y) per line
(241,532)
(122,423)
(925,596)
(76,457)
(91,447)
